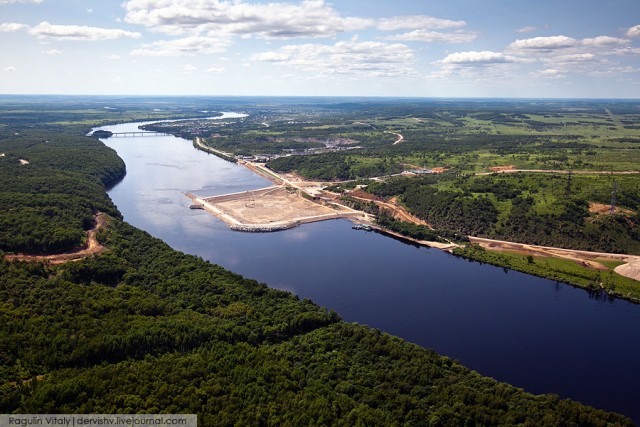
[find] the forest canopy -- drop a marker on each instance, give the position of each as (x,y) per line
(145,328)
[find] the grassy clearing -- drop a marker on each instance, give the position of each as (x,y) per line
(609,263)
(562,270)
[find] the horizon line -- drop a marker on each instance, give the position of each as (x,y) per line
(2,95)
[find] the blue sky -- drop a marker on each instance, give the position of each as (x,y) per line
(454,48)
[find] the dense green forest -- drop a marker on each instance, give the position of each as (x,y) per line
(544,209)
(144,328)
(334,166)
(48,199)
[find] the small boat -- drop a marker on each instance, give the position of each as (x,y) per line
(364,227)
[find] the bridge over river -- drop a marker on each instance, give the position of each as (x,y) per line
(136,134)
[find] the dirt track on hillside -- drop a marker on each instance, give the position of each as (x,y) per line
(92,247)
(588,259)
(392,207)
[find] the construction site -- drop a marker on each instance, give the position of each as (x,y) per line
(271,209)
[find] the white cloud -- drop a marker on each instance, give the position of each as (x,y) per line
(347,57)
(478,66)
(215,70)
(527,29)
(603,41)
(189,68)
(615,70)
(79,32)
(417,22)
(544,43)
(181,47)
(552,73)
(435,36)
(573,61)
(624,51)
(574,57)
(554,57)
(12,27)
(634,31)
(562,55)
(52,52)
(478,58)
(310,18)
(10,69)
(112,57)
(423,27)
(20,1)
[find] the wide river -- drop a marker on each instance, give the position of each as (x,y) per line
(534,333)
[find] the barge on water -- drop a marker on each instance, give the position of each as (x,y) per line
(364,227)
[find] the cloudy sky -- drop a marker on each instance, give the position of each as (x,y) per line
(426,48)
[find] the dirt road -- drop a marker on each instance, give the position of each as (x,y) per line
(630,269)
(392,206)
(92,247)
(560,171)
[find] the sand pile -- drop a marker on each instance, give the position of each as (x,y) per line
(630,269)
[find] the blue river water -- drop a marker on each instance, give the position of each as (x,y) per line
(534,333)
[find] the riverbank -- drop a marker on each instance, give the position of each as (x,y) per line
(447,247)
(592,271)
(197,143)
(615,274)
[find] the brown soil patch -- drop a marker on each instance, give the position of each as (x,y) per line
(399,212)
(439,170)
(602,209)
(392,207)
(271,207)
(502,168)
(294,177)
(584,258)
(410,166)
(361,194)
(92,247)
